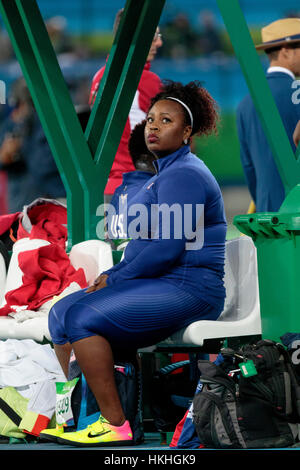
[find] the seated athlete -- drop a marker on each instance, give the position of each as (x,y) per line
(132,182)
(173,269)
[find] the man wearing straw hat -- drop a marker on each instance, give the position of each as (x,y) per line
(281,43)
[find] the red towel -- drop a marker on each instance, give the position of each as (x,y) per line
(7,220)
(46,272)
(49,222)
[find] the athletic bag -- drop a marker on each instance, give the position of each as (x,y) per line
(84,405)
(171,394)
(251,400)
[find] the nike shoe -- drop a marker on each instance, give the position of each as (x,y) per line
(51,435)
(100,433)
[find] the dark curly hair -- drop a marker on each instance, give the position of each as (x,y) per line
(203,107)
(140,155)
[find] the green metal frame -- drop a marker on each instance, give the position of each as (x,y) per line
(83,160)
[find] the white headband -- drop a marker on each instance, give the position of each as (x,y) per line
(184,105)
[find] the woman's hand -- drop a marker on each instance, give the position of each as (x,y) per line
(99,283)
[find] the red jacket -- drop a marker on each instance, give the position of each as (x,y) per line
(47,270)
(148,87)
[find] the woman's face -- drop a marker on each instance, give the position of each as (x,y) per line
(165,128)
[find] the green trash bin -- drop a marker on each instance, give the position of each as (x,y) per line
(276,236)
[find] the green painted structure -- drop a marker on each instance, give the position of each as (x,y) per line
(84,159)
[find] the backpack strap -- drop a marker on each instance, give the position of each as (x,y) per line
(174,366)
(294,380)
(287,360)
(13,416)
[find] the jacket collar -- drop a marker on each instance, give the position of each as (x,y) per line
(281,70)
(162,163)
(136,175)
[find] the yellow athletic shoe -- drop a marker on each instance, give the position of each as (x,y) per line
(100,433)
(51,434)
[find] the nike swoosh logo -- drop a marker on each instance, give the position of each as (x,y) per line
(97,434)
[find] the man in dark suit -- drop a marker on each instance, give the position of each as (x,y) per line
(281,42)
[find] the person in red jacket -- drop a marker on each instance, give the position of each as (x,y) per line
(148,87)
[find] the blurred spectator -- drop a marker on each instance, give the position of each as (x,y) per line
(181,38)
(56,27)
(25,155)
(6,50)
(292,14)
(14,132)
(64,44)
(209,39)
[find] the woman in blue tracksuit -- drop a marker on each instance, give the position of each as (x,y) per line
(172,273)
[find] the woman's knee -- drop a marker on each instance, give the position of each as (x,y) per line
(56,327)
(77,319)
(57,314)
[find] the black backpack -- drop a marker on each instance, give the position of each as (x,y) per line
(250,400)
(171,394)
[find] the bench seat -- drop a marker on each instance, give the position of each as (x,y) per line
(240,317)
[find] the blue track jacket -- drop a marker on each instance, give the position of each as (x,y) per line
(186,250)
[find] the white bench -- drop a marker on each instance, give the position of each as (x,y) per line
(93,256)
(241,314)
(240,317)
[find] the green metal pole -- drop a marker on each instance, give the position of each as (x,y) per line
(117,89)
(84,161)
(81,158)
(120,81)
